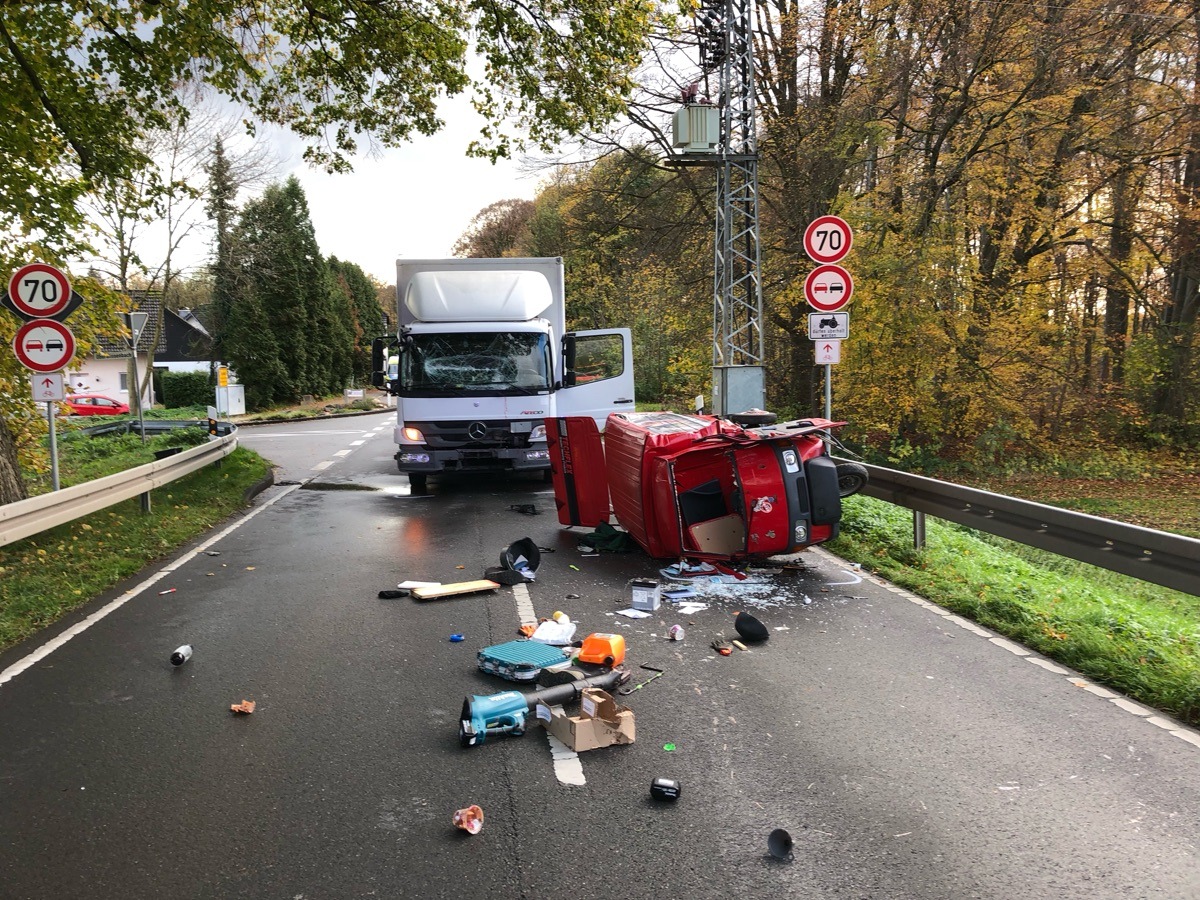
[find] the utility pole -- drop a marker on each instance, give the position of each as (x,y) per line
(723,28)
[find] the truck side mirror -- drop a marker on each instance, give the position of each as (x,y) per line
(377,373)
(568,360)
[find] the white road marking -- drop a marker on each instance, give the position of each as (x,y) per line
(300,433)
(322,465)
(568,768)
(357,443)
(80,627)
(1180,731)
(343,453)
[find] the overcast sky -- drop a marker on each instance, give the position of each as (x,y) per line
(413,202)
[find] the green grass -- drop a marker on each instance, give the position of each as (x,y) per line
(1130,635)
(44,577)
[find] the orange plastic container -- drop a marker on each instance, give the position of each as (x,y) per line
(603,649)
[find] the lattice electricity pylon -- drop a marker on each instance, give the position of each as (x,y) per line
(724,30)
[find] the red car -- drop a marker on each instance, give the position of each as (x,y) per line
(93,405)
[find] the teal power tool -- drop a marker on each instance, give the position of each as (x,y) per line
(505,713)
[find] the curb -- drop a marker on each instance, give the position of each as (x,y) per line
(255,489)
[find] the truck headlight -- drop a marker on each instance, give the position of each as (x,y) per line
(801,534)
(414,435)
(414,457)
(538,433)
(537,454)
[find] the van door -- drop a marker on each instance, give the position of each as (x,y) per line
(602,379)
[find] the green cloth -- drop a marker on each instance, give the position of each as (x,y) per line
(605,537)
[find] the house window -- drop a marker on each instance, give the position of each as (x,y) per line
(124,381)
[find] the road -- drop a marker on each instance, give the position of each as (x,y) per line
(909,754)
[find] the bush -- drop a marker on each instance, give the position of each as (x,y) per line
(187,389)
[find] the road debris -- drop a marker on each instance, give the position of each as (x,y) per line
(750,628)
(453,590)
(245,707)
(469,819)
(181,655)
(664,789)
(167,591)
(779,845)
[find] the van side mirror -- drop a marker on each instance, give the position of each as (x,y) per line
(377,373)
(568,360)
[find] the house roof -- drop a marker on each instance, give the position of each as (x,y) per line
(149,302)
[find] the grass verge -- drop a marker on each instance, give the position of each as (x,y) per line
(44,577)
(1135,637)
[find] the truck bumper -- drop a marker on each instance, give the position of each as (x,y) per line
(498,459)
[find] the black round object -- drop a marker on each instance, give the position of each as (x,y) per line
(750,628)
(779,843)
(524,547)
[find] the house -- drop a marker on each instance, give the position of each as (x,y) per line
(181,344)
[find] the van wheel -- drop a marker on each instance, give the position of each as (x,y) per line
(419,481)
(852,478)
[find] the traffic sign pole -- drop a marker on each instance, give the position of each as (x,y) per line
(53,445)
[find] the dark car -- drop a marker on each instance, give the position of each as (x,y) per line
(93,405)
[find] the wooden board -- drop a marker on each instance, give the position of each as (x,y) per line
(450,590)
(725,535)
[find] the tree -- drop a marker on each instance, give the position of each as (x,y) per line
(495,230)
(87,79)
(288,330)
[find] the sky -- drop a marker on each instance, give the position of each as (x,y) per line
(415,201)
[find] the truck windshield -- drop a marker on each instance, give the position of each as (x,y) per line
(506,362)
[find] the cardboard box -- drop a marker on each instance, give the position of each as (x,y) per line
(603,722)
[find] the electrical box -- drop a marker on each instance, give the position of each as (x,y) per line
(696,128)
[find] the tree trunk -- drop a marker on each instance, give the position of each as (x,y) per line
(12,488)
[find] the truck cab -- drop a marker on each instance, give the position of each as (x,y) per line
(482,359)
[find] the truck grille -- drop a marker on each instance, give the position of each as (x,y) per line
(455,435)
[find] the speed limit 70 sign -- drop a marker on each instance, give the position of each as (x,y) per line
(827,239)
(39,291)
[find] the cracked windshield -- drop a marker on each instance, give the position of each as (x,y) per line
(454,362)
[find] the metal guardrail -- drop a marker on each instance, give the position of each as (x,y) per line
(1162,558)
(27,517)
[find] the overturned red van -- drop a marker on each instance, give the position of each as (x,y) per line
(698,486)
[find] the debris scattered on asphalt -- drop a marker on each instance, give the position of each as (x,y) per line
(658,673)
(212,552)
(526,509)
(575,568)
(740,645)
(664,789)
(453,590)
(750,628)
(523,556)
(392,595)
(245,707)
(668,747)
(722,646)
(571,597)
(556,633)
(457,638)
(409,585)
(632,613)
(181,655)
(779,844)
(676,632)
(167,591)
(250,568)
(469,819)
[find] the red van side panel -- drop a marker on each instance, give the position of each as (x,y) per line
(577,467)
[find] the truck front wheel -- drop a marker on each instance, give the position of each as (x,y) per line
(418,481)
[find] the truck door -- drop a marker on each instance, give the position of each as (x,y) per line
(601,381)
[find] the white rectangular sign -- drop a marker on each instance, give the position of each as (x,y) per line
(47,387)
(827,352)
(830,326)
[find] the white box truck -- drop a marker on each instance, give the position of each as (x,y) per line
(482,358)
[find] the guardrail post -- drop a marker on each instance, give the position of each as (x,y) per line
(918,530)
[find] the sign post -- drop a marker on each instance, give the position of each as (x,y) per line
(136,321)
(828,288)
(41,296)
